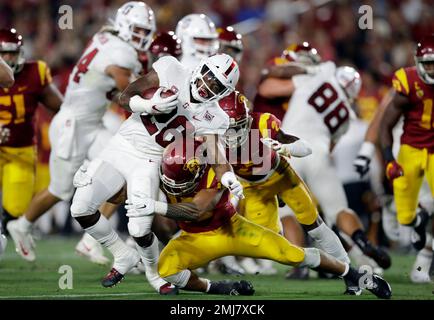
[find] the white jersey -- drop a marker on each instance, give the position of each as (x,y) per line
(88,86)
(318,110)
(151,134)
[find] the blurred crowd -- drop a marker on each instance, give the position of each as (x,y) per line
(267,27)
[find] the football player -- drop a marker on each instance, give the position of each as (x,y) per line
(133,155)
(6,75)
(77,132)
(211,228)
(199,39)
(414,87)
(276,85)
(319,112)
(231,43)
(18,104)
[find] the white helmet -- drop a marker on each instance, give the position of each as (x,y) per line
(132,17)
(215,77)
(349,80)
(194,27)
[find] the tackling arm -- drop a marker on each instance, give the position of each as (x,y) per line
(6,75)
(136,88)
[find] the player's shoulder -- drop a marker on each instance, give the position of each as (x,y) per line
(114,50)
(402,78)
(209,180)
(265,121)
(167,62)
(37,71)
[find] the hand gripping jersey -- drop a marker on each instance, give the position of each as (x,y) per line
(318,110)
(89,87)
(18,104)
(254,161)
(222,212)
(419,117)
(276,106)
(152,133)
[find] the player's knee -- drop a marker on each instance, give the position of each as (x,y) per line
(139,227)
(82,208)
(312,258)
(179,279)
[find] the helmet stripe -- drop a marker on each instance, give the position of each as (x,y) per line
(231,67)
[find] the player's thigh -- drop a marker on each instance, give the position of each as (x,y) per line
(429,172)
(95,186)
(406,188)
(193,250)
(102,138)
(18,180)
(42,178)
(252,240)
(260,207)
(294,192)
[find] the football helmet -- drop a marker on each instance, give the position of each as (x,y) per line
(135,24)
(350,81)
(12,43)
(214,78)
(198,35)
(424,59)
(302,53)
(166,43)
(180,172)
(240,121)
(231,43)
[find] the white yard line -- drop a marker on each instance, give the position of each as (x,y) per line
(126,294)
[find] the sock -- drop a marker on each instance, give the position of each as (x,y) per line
(103,232)
(25,224)
(359,237)
(329,242)
(149,254)
(208,284)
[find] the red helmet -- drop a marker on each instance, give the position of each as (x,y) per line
(183,165)
(166,43)
(425,55)
(12,42)
(235,106)
(302,53)
(231,42)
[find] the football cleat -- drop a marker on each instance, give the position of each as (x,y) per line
(352,288)
(418,236)
(232,288)
(91,249)
(129,259)
(112,278)
(168,289)
(378,286)
(24,244)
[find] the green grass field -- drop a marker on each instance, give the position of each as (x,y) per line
(39,280)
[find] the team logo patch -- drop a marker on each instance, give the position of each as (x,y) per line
(208,116)
(192,165)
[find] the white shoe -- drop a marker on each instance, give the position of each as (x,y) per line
(249,265)
(3,244)
(266,267)
(127,261)
(24,244)
(91,249)
(420,270)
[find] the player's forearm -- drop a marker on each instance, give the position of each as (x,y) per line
(6,75)
(283,71)
(181,211)
(52,98)
(372,134)
(276,88)
(136,87)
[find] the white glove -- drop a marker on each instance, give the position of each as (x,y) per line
(156,105)
(81,177)
(4,134)
(312,69)
(143,207)
(299,148)
(361,163)
(230,181)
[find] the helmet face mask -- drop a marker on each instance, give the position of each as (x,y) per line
(238,132)
(214,78)
(135,24)
(11,49)
(180,188)
(424,59)
(205,47)
(302,53)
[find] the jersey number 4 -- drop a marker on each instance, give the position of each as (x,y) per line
(83,64)
(173,127)
(322,100)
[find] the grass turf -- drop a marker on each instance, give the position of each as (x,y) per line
(40,280)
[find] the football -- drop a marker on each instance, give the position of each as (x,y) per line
(165,93)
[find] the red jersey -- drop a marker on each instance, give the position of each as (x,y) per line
(256,161)
(276,106)
(222,212)
(419,117)
(18,104)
